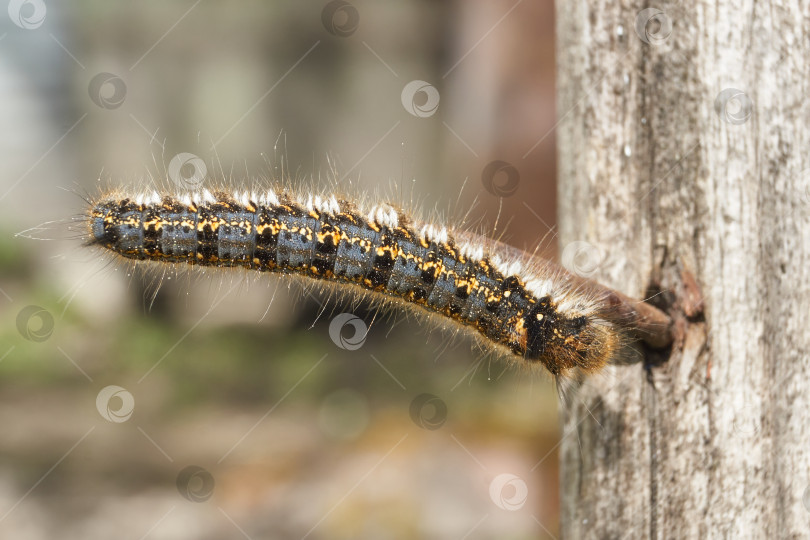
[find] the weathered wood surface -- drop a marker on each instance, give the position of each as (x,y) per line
(674,179)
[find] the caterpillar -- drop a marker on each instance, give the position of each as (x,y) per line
(530,310)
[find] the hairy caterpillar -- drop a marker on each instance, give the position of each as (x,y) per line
(529,309)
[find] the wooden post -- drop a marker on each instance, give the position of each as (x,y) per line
(684,159)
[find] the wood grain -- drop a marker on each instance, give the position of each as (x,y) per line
(678,184)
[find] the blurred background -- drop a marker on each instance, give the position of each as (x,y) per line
(210,412)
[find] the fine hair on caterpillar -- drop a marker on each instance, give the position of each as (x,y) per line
(525,309)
